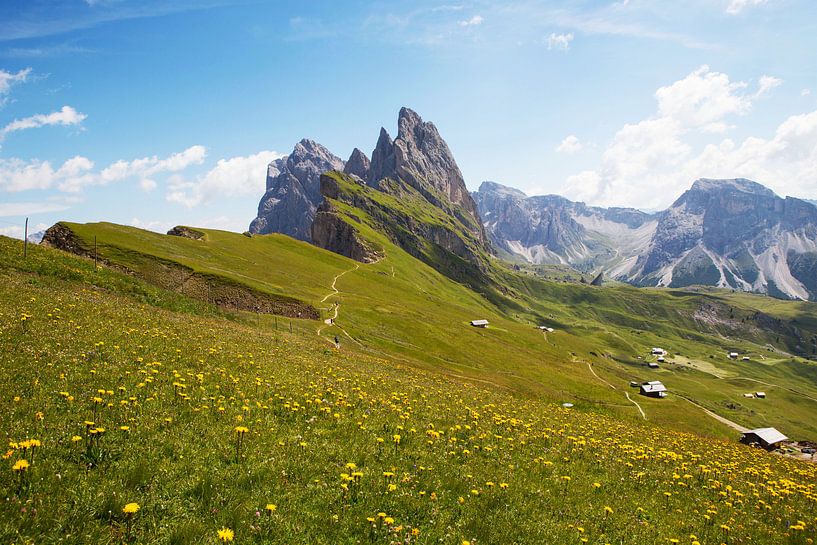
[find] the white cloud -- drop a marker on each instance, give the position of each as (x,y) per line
(19,175)
(702,100)
(805,92)
(766,84)
(66,116)
(147,185)
(30,208)
(158,226)
(77,173)
(473,21)
(737,6)
(230,177)
(18,231)
(569,145)
(560,41)
(8,79)
(648,163)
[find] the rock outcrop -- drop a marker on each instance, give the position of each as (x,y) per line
(421,158)
(186,232)
(293,191)
(358,165)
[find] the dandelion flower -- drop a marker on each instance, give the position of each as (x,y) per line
(130,508)
(226,535)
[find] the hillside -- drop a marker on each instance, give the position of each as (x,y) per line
(213,421)
(403,309)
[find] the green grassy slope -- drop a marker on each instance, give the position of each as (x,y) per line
(403,309)
(134,394)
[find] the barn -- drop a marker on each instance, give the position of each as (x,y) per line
(653,388)
(479,323)
(767,438)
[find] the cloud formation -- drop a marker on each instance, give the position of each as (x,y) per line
(229,178)
(65,116)
(653,160)
(569,145)
(737,6)
(77,173)
(473,21)
(560,41)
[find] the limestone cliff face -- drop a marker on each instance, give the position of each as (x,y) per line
(734,233)
(293,191)
(331,232)
(731,233)
(358,165)
(420,157)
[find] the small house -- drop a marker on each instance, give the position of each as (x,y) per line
(546,328)
(761,395)
(733,355)
(750,396)
(767,438)
(745,358)
(652,365)
(653,388)
(661,359)
(479,323)
(658,352)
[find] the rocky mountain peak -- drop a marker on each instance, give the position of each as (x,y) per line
(293,190)
(382,164)
(499,189)
(741,185)
(358,165)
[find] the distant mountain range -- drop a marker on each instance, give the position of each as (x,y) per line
(727,233)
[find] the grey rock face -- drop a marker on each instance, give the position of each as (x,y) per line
(293,191)
(421,158)
(728,233)
(732,233)
(554,230)
(358,165)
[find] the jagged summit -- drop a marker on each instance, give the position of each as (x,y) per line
(416,166)
(358,164)
(293,190)
(382,164)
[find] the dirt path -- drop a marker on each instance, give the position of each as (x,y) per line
(626,394)
(633,401)
(334,281)
(717,417)
(792,390)
(598,377)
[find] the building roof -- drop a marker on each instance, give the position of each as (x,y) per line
(770,436)
(653,386)
(479,322)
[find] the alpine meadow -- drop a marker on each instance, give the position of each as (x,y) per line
(598,324)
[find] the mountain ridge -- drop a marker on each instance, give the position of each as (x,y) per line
(729,233)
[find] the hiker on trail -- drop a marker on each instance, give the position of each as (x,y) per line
(337,342)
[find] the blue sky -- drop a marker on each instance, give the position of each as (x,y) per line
(144,114)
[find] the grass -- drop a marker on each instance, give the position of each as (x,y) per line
(404,310)
(348,446)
